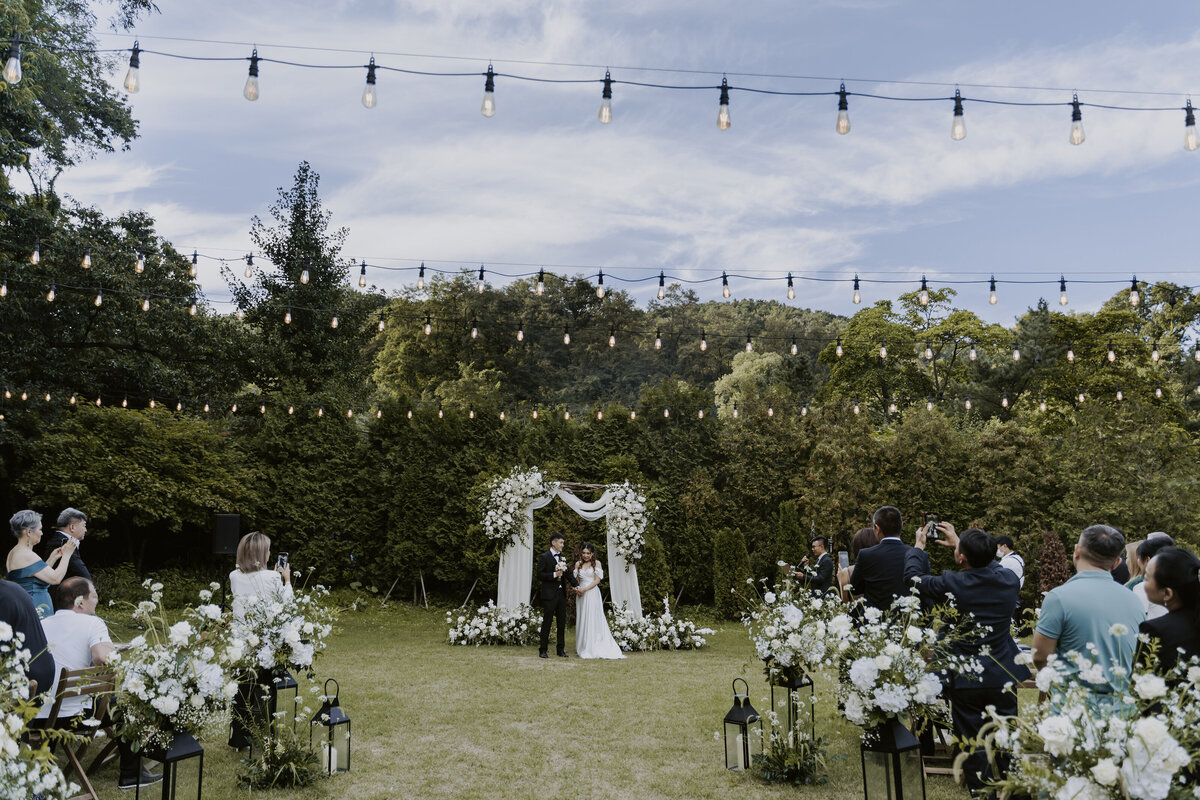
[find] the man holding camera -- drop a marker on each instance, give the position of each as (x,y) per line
(988,591)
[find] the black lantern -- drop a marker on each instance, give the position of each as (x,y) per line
(891,763)
(283,697)
(183,747)
(275,698)
(330,732)
(795,692)
(743,731)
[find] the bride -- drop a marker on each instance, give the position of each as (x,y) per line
(593,639)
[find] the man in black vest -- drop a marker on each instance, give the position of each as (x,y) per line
(554,574)
(879,571)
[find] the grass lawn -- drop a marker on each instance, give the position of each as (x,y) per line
(435,721)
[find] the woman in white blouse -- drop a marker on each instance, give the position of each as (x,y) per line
(254,578)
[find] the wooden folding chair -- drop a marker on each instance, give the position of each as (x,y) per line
(97,683)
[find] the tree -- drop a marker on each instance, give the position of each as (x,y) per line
(1053,566)
(731,571)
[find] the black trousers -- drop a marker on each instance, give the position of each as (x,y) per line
(555,609)
(967,710)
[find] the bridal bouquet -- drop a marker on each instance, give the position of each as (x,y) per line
(1132,743)
(25,771)
(174,677)
(890,664)
(507,497)
(664,632)
(492,624)
(627,519)
(788,628)
(282,634)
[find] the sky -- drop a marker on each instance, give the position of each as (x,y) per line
(424,176)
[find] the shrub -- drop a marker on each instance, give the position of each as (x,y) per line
(731,570)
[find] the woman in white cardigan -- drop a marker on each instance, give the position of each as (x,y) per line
(253,578)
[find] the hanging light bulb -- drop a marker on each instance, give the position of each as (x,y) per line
(666,412)
(36,256)
(24,395)
(1120,395)
(47,397)
(958,130)
(471,412)
(770,410)
(12,67)
(535,413)
(804,410)
(420,276)
(139,265)
(250,91)
(599,415)
(1062,290)
(409,415)
(133,78)
(480,284)
(249,265)
(1070,353)
(50,294)
(304,274)
(1077,135)
(382,324)
(700,413)
(1112,354)
(658,340)
(725,285)
(262,408)
(232,409)
(837,350)
(87,258)
(241,315)
(883,349)
(320,411)
(192,307)
(794,349)
(153,404)
(929,404)
(287,316)
(791,292)
(4,287)
(1004,401)
(857,294)
(206,408)
(379,413)
(333,323)
(521,331)
(967,403)
(428,325)
(541,283)
(857,410)
(1016,352)
(125,403)
(1196,355)
(567,414)
(99,301)
(291,410)
(735,411)
(928,352)
(1190,140)
(662,289)
(923,296)
(501,415)
(612,336)
(441,414)
(1080,397)
(600,285)
(704,342)
(632,414)
(892,407)
(474,329)
(723,121)
(1154,354)
(566,334)
(843,115)
(362,275)
(606,100)
(992,290)
(488,108)
(146,302)
(368,96)
(972,353)
(1158,391)
(1134,296)
(749,344)
(1042,405)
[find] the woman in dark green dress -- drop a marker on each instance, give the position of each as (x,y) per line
(24,568)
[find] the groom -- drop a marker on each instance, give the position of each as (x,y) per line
(552,570)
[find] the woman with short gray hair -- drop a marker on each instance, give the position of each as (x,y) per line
(23,566)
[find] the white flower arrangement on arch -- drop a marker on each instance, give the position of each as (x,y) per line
(507,497)
(628,517)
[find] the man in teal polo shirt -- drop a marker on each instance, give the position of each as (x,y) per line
(1079,615)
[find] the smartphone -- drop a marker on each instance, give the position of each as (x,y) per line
(281,561)
(843,559)
(931,517)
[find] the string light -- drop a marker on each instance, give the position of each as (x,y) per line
(47,397)
(12,67)
(420,276)
(967,402)
(428,325)
(379,413)
(566,334)
(87,258)
(1062,290)
(501,415)
(50,294)
(362,276)
(1077,135)
(612,336)
(262,408)
(972,353)
(658,339)
(992,290)
(857,294)
(883,348)
(837,350)
(1112,354)
(1004,401)
(632,414)
(666,413)
(139,265)
(770,410)
(804,410)
(1120,395)
(192,266)
(250,90)
(488,109)
(410,414)
(233,408)
(1154,354)
(928,352)
(287,316)
(928,403)
(36,256)
(541,283)
(791,292)
(480,286)
(725,286)
(474,329)
(1070,353)
(249,265)
(892,406)
(304,275)
(606,100)
(206,408)
(521,331)
(333,323)
(1190,140)
(320,411)
(441,414)
(794,349)
(382,324)
(193,308)
(1080,397)
(599,415)
(735,411)
(125,403)
(857,410)
(133,78)
(662,291)
(1134,296)
(4,287)
(958,130)
(843,115)
(567,414)
(1042,405)
(535,413)
(704,342)
(369,98)
(600,285)
(291,410)
(99,301)
(723,120)
(1158,392)
(749,344)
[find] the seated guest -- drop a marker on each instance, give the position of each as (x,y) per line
(1080,613)
(819,576)
(72,524)
(989,592)
(17,609)
(864,538)
(879,570)
(1172,581)
(253,578)
(78,639)
(1146,551)
(26,569)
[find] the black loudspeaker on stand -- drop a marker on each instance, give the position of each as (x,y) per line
(226,530)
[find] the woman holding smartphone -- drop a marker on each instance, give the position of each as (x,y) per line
(254,578)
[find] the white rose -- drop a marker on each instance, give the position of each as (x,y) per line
(1077,788)
(1105,772)
(1058,733)
(769,598)
(1149,687)
(914,634)
(883,661)
(181,632)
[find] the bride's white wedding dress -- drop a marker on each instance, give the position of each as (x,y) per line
(593,639)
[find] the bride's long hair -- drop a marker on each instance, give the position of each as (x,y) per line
(579,554)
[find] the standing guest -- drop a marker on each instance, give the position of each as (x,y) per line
(78,639)
(1147,550)
(819,576)
(26,569)
(1082,612)
(253,578)
(1136,573)
(862,539)
(1172,581)
(17,609)
(72,524)
(988,591)
(1010,559)
(879,570)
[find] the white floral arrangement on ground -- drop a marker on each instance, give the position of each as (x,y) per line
(282,633)
(1133,742)
(889,664)
(663,632)
(25,771)
(627,520)
(788,627)
(174,677)
(504,506)
(493,625)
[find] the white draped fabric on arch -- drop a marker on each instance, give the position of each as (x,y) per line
(516,560)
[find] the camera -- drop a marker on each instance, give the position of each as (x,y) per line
(281,561)
(931,518)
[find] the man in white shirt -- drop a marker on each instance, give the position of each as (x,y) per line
(1010,559)
(78,639)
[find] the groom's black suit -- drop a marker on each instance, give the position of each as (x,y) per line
(553,594)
